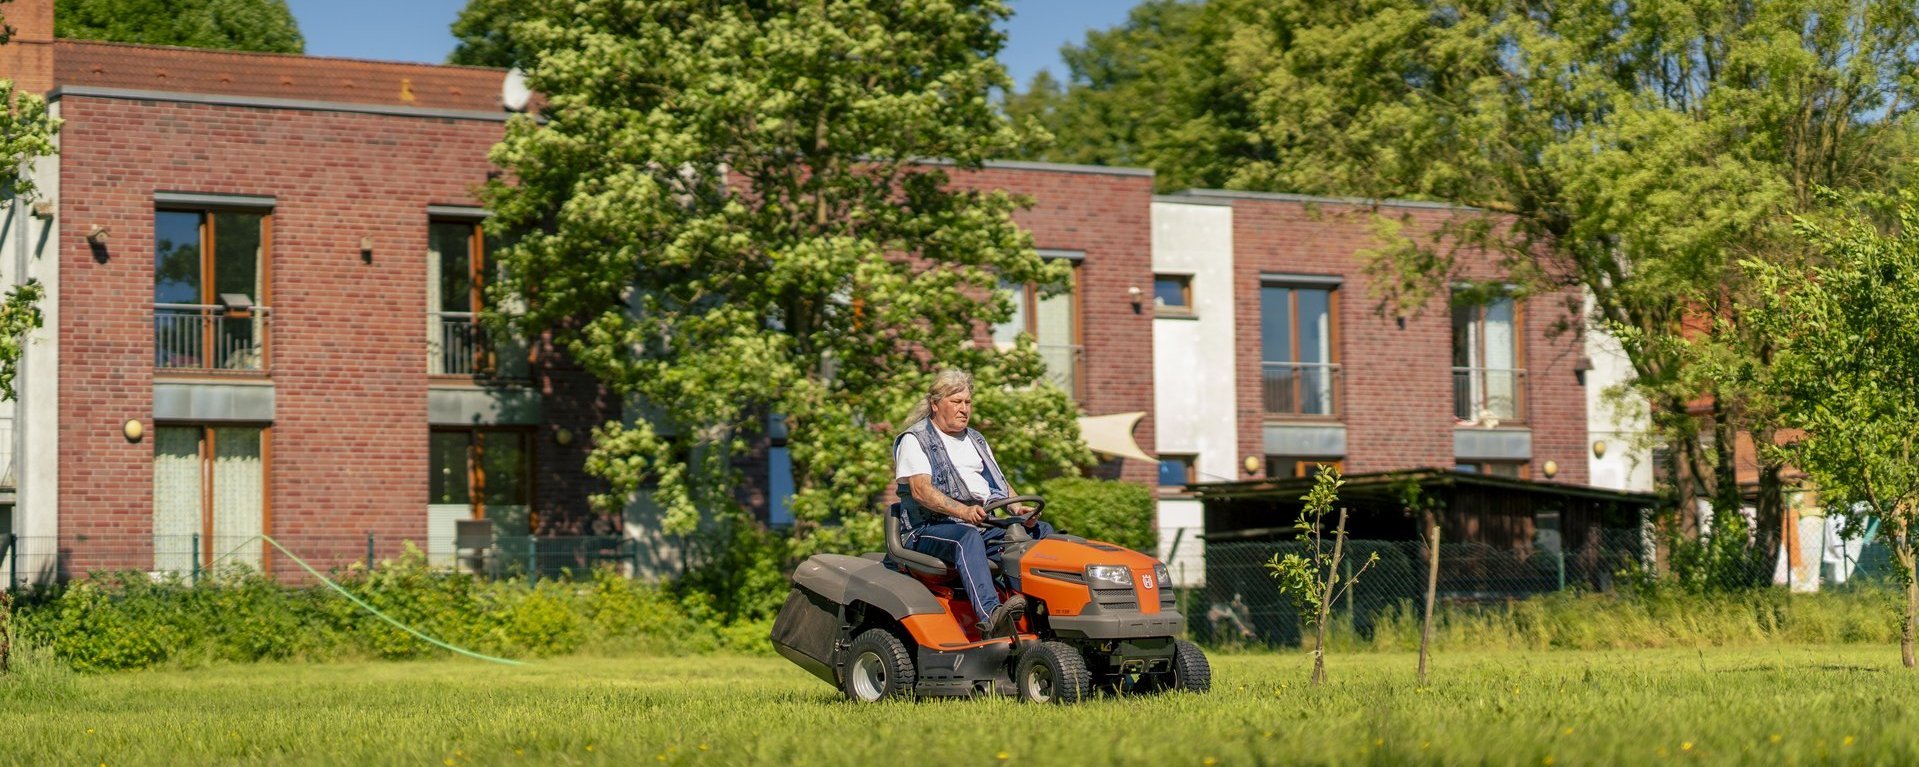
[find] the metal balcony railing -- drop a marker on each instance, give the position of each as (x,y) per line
(209,337)
(1300,388)
(1498,393)
(458,345)
(1066,367)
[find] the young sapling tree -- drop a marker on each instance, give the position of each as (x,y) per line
(1312,579)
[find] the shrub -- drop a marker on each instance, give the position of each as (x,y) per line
(1103,510)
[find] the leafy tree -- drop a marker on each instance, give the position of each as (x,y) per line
(725,214)
(1636,152)
(26,132)
(1845,369)
(1155,91)
(236,25)
(485,31)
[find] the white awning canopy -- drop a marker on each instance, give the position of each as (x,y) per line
(1113,435)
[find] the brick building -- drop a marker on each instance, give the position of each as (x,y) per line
(262,275)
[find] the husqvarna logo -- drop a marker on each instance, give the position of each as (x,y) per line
(1146,581)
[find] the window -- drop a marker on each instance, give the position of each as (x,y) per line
(1176,471)
(1291,466)
(1299,340)
(488,472)
(210,290)
(1507,469)
(1053,321)
(458,262)
(1173,294)
(209,496)
(1488,384)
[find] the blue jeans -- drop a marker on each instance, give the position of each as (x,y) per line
(968,549)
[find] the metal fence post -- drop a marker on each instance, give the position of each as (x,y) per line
(369,551)
(196,560)
(1561,557)
(532,562)
(13,563)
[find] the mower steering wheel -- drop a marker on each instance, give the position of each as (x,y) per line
(1007,519)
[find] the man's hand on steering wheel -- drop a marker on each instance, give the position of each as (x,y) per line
(1024,509)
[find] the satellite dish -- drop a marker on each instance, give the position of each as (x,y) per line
(513,91)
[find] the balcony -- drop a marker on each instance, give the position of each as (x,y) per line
(1066,367)
(1496,393)
(210,338)
(459,345)
(1291,389)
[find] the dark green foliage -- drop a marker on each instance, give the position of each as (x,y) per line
(114,622)
(237,25)
(485,31)
(1103,510)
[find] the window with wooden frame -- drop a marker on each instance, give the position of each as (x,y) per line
(211,280)
(1053,321)
(210,495)
(1489,377)
(459,269)
(489,470)
(1299,350)
(1507,469)
(1173,295)
(1177,471)
(1293,466)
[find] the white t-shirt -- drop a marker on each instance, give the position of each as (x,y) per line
(909,460)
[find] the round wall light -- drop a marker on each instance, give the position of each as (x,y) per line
(1599,448)
(133,430)
(1252,464)
(1551,468)
(563,436)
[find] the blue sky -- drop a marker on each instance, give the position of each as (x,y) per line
(417,30)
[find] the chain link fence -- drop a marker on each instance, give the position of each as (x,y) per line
(1240,602)
(25,560)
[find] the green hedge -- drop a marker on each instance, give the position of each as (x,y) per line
(112,622)
(1103,510)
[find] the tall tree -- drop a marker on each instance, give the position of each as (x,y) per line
(1636,151)
(1845,370)
(1155,91)
(26,132)
(237,25)
(726,214)
(485,31)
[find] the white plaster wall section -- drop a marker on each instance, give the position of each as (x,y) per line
(1620,422)
(1195,403)
(37,477)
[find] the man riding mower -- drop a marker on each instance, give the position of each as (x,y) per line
(930,616)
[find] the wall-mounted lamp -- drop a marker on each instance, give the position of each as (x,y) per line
(1252,464)
(1599,448)
(1581,367)
(43,209)
(366,249)
(1133,294)
(132,430)
(1551,468)
(563,436)
(97,235)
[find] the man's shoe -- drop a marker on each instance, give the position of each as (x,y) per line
(1001,623)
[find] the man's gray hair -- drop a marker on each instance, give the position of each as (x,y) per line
(946,383)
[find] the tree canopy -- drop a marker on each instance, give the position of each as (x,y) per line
(26,132)
(485,31)
(726,213)
(238,25)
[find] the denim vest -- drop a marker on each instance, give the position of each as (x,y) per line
(946,477)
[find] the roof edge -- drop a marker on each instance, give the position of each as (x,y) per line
(269,54)
(1051,167)
(268,102)
(1232,194)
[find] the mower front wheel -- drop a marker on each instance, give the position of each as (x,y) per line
(1054,672)
(878,667)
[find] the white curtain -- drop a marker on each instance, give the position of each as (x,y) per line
(1500,359)
(239,496)
(1004,333)
(1056,335)
(176,497)
(435,333)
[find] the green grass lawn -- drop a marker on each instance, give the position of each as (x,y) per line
(1795,704)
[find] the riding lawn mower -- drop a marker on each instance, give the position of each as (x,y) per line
(1100,618)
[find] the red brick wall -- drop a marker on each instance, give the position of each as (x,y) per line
(27,59)
(1397,394)
(1108,216)
(348,338)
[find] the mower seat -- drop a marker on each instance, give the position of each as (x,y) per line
(916,561)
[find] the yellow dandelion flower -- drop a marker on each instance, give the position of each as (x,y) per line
(1379,741)
(1686,746)
(89,730)
(589,747)
(519,752)
(1548,761)
(702,746)
(1209,761)
(1567,731)
(447,761)
(1003,756)
(1774,738)
(1847,741)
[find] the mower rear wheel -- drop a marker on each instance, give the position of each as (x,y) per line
(878,667)
(1054,672)
(1190,672)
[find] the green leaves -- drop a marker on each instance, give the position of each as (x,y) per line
(725,217)
(236,25)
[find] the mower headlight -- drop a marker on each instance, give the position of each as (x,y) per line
(1109,575)
(1164,578)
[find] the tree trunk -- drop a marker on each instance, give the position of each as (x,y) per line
(1326,602)
(1769,518)
(1903,547)
(1432,590)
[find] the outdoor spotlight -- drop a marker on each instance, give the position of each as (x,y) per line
(563,436)
(1551,468)
(1599,448)
(97,235)
(1252,464)
(366,249)
(1133,293)
(132,429)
